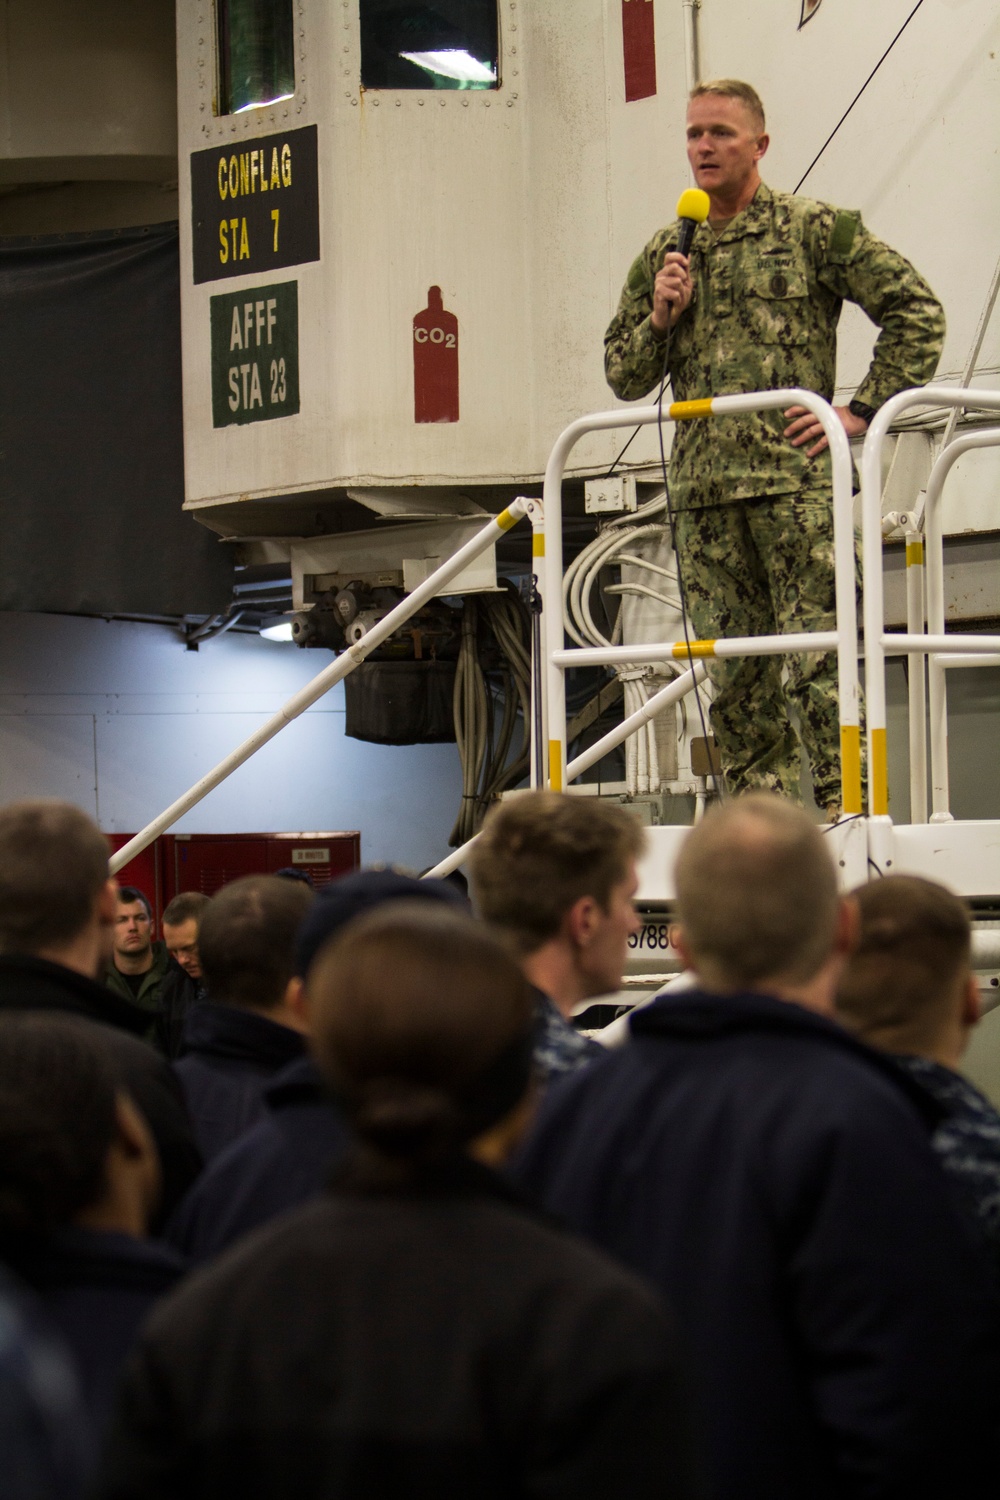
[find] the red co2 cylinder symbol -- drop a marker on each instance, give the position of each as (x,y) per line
(435,362)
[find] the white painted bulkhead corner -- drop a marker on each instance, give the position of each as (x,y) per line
(526,206)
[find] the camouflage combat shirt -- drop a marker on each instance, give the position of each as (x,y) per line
(767,297)
(967,1142)
(559,1047)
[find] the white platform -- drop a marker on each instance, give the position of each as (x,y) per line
(848,841)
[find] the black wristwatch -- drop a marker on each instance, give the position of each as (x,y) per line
(861,409)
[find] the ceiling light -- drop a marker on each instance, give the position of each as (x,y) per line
(262,103)
(453,63)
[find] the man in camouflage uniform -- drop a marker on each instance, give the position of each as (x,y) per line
(755,308)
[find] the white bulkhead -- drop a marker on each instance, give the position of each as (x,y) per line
(524,205)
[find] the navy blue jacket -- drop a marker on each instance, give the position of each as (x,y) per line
(228,1057)
(97,1289)
(775,1178)
(34,984)
(285,1159)
(46,1445)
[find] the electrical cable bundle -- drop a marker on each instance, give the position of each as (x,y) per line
(615,545)
(484,747)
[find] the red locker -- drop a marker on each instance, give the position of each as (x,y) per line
(145,872)
(208,861)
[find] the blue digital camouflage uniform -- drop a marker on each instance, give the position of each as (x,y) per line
(558,1047)
(968,1141)
(754,519)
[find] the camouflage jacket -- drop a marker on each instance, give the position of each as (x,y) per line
(968,1141)
(559,1048)
(767,297)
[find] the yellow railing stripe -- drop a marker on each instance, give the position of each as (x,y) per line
(879,773)
(914,554)
(555,765)
(682,650)
(538,544)
(850,767)
(505,520)
(687,411)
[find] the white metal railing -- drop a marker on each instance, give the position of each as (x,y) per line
(937,664)
(328,678)
(935,644)
(916,682)
(672,693)
(925,577)
(558,658)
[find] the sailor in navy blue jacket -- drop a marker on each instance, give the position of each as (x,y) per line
(774,1178)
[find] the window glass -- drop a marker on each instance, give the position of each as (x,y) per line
(429,44)
(256,53)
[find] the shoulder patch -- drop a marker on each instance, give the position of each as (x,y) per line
(844,230)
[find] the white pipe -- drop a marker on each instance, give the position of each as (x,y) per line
(322,683)
(536,772)
(692,61)
(917,683)
(874,607)
(672,693)
(977,344)
(657,651)
(946,645)
(987,659)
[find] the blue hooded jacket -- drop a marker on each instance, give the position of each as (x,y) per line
(281,1162)
(228,1057)
(774,1177)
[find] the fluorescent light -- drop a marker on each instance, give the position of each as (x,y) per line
(282,632)
(262,103)
(453,63)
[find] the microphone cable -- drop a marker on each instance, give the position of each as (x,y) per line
(681,589)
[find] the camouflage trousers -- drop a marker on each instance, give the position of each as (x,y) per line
(765,567)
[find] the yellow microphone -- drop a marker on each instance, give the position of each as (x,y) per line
(692,210)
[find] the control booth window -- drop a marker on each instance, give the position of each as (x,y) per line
(429,44)
(256,54)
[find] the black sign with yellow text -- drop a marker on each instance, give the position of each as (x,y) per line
(255,207)
(255,354)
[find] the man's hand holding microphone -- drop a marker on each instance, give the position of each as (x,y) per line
(673,288)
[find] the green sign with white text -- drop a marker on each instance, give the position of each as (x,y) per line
(255,354)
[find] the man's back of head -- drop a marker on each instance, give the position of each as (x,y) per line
(246,940)
(53,866)
(905,987)
(756,895)
(540,852)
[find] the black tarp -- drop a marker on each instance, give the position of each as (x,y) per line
(91,432)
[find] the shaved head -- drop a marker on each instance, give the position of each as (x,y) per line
(757,894)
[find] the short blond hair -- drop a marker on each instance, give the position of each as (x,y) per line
(734,88)
(757,894)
